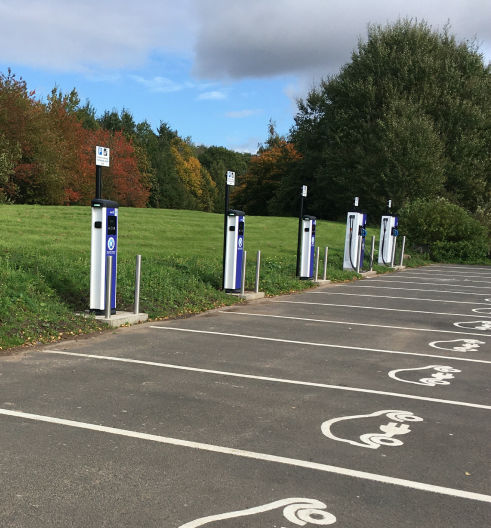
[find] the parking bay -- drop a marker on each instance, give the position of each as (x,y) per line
(279,420)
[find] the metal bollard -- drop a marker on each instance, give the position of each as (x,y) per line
(402,250)
(392,261)
(242,285)
(316,278)
(109,277)
(258,267)
(136,306)
(372,253)
(358,254)
(324,275)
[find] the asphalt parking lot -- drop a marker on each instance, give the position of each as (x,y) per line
(363,404)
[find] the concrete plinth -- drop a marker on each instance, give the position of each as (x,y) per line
(321,282)
(121,318)
(399,268)
(368,274)
(249,296)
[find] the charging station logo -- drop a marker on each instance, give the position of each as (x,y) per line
(111,243)
(240,242)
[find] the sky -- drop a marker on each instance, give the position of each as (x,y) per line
(216,71)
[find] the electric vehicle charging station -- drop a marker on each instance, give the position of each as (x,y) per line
(104,242)
(354,251)
(234,251)
(388,234)
(307,247)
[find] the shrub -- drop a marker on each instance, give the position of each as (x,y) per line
(444,230)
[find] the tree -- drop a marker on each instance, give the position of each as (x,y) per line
(218,160)
(407,116)
(267,183)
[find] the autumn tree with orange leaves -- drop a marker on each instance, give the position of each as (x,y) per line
(263,189)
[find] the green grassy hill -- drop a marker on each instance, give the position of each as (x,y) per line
(45,265)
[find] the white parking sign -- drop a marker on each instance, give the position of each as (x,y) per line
(102,156)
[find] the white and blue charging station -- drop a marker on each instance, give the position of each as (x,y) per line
(104,242)
(307,247)
(388,234)
(234,250)
(355,229)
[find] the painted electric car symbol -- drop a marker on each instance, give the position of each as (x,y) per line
(461,345)
(111,243)
(482,310)
(474,325)
(440,376)
(394,427)
(298,511)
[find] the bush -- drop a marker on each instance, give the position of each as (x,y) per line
(444,230)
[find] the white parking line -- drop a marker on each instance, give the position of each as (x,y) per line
(395,297)
(387,309)
(384,479)
(432,284)
(363,284)
(470,268)
(349,323)
(268,378)
(309,343)
(428,276)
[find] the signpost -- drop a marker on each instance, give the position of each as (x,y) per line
(101,160)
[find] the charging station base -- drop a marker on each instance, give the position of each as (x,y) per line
(368,274)
(321,282)
(248,296)
(121,318)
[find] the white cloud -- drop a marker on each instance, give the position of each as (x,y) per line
(223,38)
(158,84)
(87,35)
(240,114)
(214,95)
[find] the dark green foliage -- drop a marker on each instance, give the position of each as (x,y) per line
(407,117)
(218,160)
(444,230)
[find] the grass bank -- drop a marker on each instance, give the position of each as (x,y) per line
(45,265)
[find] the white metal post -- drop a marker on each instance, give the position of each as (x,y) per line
(136,307)
(258,268)
(242,286)
(324,275)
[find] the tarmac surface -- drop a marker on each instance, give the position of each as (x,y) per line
(363,404)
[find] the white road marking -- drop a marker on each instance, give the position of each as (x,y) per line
(482,311)
(298,511)
(430,275)
(363,284)
(351,323)
(393,297)
(433,284)
(467,345)
(267,378)
(375,440)
(252,455)
(387,309)
(474,325)
(470,268)
(440,376)
(308,343)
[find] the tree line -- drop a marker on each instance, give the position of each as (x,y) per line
(406,118)
(47,155)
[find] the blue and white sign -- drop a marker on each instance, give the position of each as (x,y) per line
(230,178)
(102,156)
